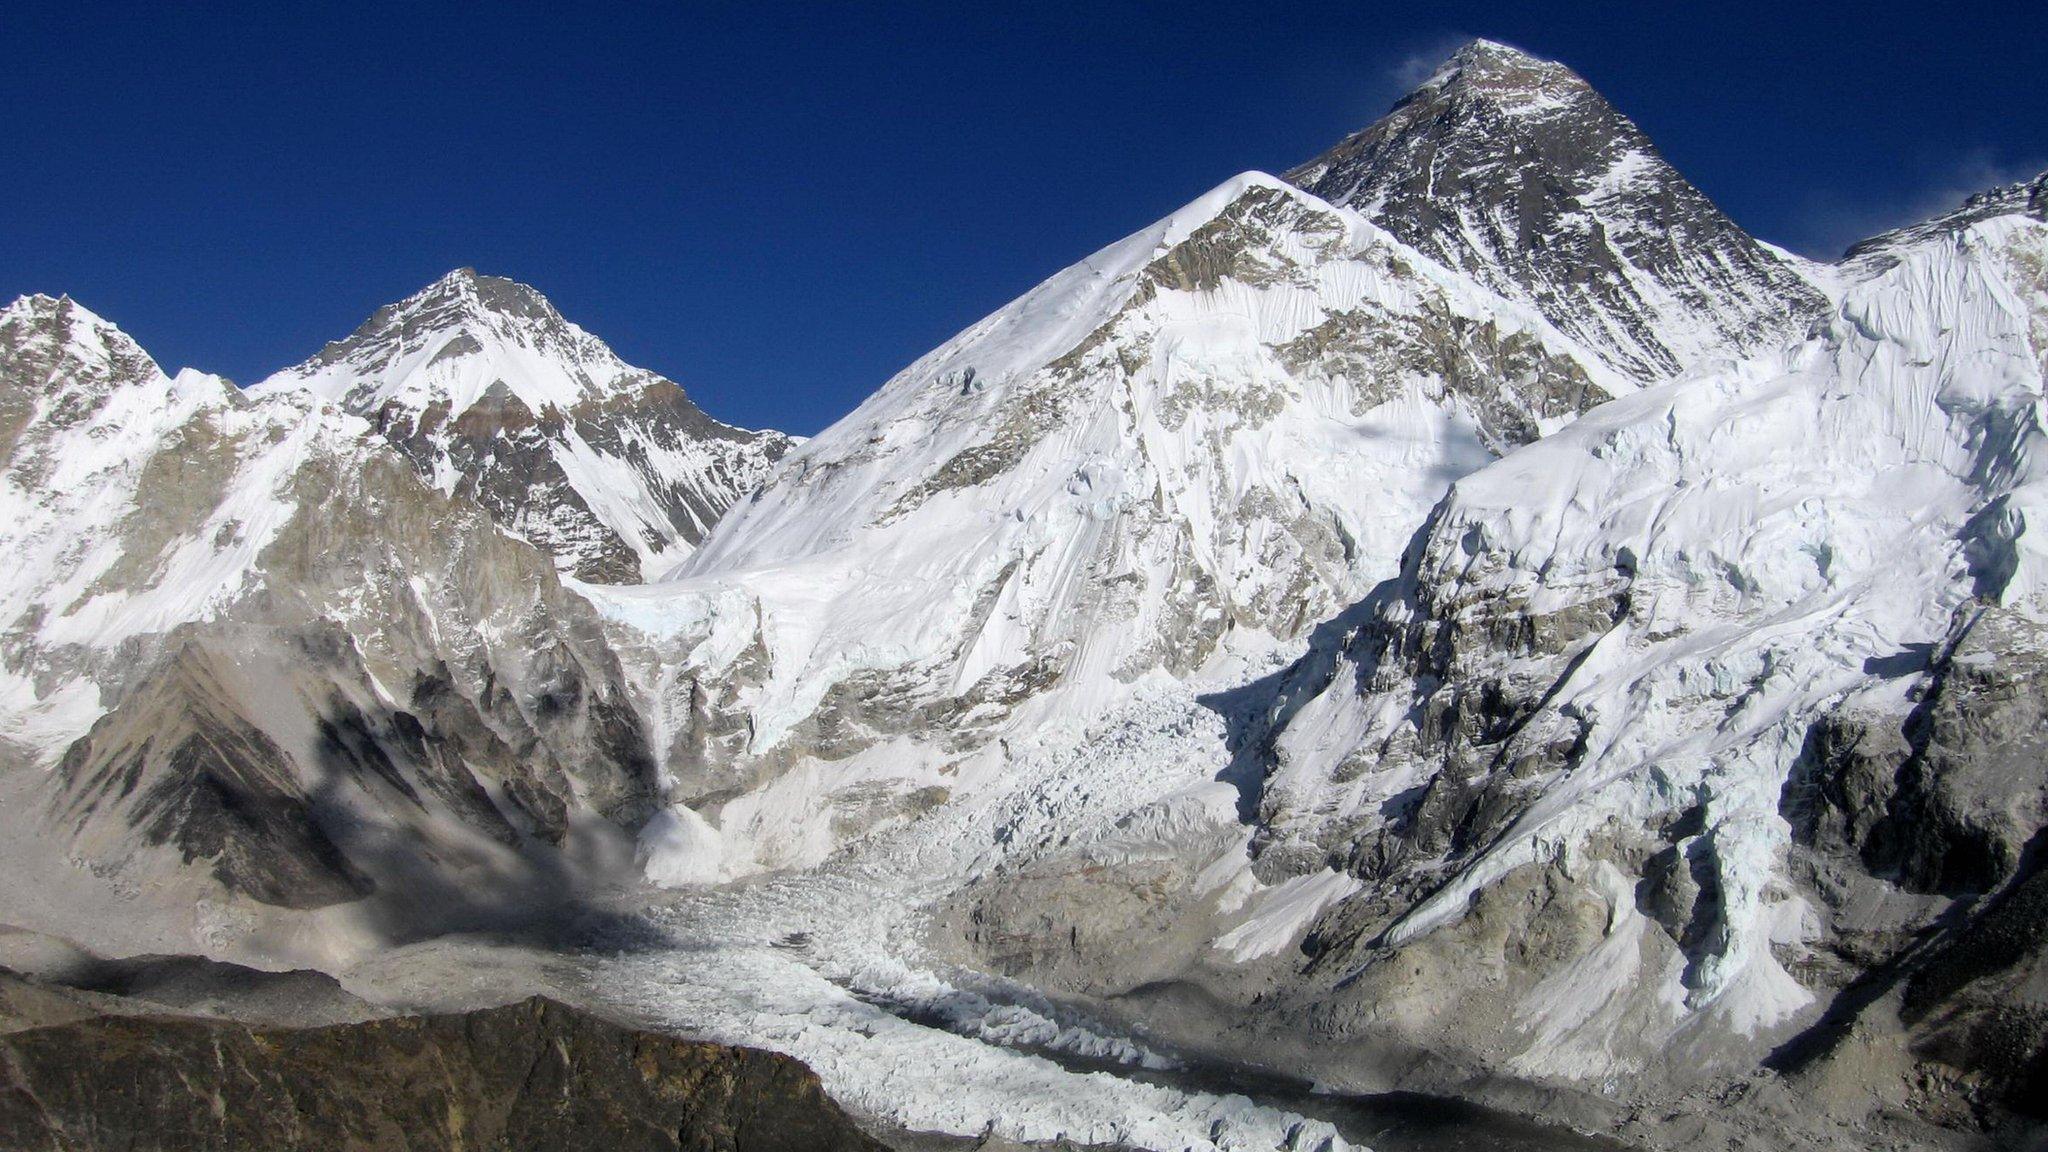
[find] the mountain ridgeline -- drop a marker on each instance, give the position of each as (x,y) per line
(1462,617)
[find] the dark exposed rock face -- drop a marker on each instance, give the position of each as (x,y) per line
(261,755)
(1948,802)
(194,774)
(1516,171)
(196,986)
(1950,807)
(1479,669)
(534,1075)
(47,979)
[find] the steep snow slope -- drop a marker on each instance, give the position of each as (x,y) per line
(1633,723)
(493,395)
(1202,439)
(84,413)
(1515,171)
(252,664)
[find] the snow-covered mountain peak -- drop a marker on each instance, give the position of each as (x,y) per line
(452,341)
(1491,70)
(1517,172)
(201,582)
(493,301)
(491,393)
(51,342)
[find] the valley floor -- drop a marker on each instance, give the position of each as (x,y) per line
(933,1059)
(929,1060)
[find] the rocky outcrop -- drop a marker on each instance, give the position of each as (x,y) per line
(533,1075)
(1922,841)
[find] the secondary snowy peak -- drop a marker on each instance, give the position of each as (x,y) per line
(1514,170)
(54,342)
(541,357)
(491,393)
(82,410)
(268,662)
(60,361)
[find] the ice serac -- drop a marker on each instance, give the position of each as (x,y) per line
(1153,459)
(252,663)
(492,395)
(1515,171)
(1706,731)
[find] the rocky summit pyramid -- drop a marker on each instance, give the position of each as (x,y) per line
(1512,169)
(490,393)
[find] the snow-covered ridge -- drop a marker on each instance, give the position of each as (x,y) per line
(2027,198)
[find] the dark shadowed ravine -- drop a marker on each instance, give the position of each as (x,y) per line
(1384,1122)
(1381,1121)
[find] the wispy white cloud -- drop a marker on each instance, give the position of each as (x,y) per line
(1414,63)
(1365,86)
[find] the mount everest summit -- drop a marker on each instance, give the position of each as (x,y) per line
(1463,617)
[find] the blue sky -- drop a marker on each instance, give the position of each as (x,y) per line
(779,206)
